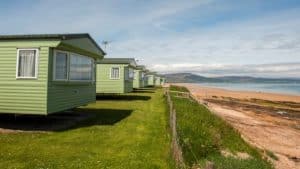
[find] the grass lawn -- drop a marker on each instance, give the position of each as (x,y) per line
(204,136)
(126,132)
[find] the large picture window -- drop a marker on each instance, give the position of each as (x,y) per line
(27,63)
(115,73)
(73,67)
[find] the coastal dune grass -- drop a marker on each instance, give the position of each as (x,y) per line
(204,136)
(128,133)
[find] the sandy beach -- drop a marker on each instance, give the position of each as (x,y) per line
(211,91)
(268,121)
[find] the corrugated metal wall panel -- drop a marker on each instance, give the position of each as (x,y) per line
(150,80)
(105,84)
(137,82)
(25,96)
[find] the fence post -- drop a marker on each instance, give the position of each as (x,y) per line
(175,147)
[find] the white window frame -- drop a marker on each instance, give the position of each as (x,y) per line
(119,67)
(54,65)
(36,63)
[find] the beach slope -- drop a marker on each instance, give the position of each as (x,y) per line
(269,121)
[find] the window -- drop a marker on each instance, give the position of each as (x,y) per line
(143,75)
(131,73)
(135,73)
(61,66)
(27,63)
(115,73)
(73,67)
(93,69)
(81,67)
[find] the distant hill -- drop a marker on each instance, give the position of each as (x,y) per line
(192,78)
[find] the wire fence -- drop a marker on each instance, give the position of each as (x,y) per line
(175,147)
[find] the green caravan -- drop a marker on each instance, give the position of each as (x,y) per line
(47,73)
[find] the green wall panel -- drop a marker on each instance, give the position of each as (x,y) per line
(106,85)
(26,96)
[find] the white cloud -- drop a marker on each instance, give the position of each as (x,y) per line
(150,31)
(268,39)
(94,16)
(260,70)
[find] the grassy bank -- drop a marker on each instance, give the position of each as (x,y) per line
(205,137)
(127,131)
(178,88)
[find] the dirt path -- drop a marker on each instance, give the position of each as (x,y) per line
(267,131)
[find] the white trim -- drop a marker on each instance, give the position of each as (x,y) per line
(35,66)
(54,65)
(119,67)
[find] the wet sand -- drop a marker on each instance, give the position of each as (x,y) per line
(268,121)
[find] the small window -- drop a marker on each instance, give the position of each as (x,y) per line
(93,71)
(61,66)
(27,63)
(143,75)
(115,73)
(131,73)
(135,74)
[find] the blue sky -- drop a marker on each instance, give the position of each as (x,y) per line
(208,37)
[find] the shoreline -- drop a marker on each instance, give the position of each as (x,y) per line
(207,91)
(245,90)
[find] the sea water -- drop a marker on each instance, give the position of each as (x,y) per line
(282,88)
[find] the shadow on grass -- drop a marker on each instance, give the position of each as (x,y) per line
(123,97)
(62,121)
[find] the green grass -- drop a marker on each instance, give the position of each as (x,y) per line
(203,136)
(129,132)
(178,88)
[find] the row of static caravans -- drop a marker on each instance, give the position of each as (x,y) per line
(153,79)
(44,74)
(122,75)
(119,75)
